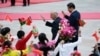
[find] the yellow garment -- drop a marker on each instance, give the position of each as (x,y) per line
(15,52)
(25,52)
(11,53)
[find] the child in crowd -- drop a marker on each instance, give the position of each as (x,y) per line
(33,51)
(9,51)
(4,34)
(96,51)
(44,44)
(66,47)
(21,44)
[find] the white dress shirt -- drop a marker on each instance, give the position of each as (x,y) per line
(67,48)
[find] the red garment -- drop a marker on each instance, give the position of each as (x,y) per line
(2,40)
(21,44)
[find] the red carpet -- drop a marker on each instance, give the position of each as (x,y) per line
(39,1)
(20,2)
(36,16)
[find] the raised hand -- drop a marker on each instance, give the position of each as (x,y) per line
(63,13)
(43,18)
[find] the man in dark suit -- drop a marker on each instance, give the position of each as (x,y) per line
(26,2)
(54,25)
(73,19)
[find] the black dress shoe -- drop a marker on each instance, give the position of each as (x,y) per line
(12,5)
(24,5)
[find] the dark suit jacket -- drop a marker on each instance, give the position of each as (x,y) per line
(74,21)
(55,26)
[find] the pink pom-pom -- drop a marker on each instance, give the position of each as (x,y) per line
(68,31)
(64,22)
(51,43)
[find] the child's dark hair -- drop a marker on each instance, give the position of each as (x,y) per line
(7,43)
(20,33)
(65,38)
(5,30)
(99,47)
(71,5)
(94,51)
(42,37)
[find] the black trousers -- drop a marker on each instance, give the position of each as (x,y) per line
(12,2)
(54,33)
(3,1)
(75,39)
(57,44)
(26,2)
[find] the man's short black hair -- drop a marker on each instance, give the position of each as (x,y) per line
(5,30)
(20,33)
(71,5)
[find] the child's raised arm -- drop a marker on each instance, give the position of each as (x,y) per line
(53,42)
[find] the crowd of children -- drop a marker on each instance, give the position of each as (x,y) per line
(42,48)
(6,42)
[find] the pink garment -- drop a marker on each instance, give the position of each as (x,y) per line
(51,43)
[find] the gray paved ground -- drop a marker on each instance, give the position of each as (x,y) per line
(82,5)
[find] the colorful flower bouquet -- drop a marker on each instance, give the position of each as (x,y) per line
(67,31)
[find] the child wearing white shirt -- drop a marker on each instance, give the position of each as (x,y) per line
(65,49)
